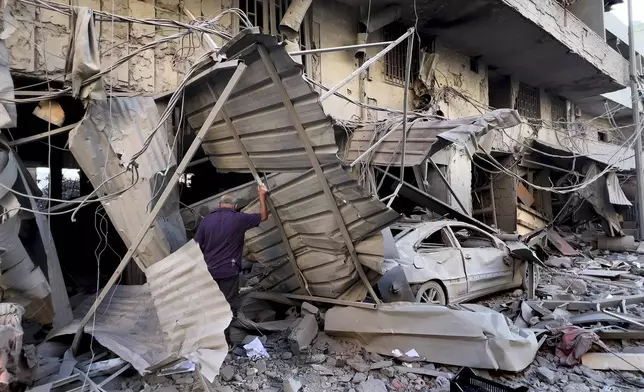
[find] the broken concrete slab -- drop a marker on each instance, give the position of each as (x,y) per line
(292,385)
(303,334)
(442,335)
(310,309)
(381,364)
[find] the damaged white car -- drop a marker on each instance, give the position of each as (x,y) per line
(449,261)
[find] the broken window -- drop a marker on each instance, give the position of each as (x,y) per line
(528,103)
(436,240)
(558,112)
(396,58)
(266,14)
(472,238)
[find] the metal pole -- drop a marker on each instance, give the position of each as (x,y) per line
(410,52)
(449,187)
(366,65)
(639,170)
(151,216)
(340,48)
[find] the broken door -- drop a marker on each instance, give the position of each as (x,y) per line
(486,262)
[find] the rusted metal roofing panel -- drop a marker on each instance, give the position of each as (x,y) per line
(426,137)
(193,312)
(313,233)
(256,111)
(615,193)
(103,144)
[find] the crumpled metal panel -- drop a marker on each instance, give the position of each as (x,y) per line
(126,323)
(258,114)
(8,114)
(193,312)
(479,339)
(180,312)
(615,193)
(103,144)
(427,137)
(21,280)
(314,235)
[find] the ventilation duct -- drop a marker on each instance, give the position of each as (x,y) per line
(382,18)
(290,24)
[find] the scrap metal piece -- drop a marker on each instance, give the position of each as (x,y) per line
(394,287)
(615,193)
(562,245)
(258,114)
(103,144)
(86,60)
(596,194)
(427,137)
(442,335)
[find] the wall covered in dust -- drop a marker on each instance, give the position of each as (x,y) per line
(461,91)
(459,175)
(39,45)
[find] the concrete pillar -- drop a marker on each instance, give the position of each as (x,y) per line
(459,175)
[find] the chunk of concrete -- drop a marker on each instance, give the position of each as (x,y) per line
(373,385)
(307,308)
(292,385)
(303,334)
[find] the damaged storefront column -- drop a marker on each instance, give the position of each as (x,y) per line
(167,191)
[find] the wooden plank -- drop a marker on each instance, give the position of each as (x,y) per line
(562,246)
(524,195)
(616,361)
(600,273)
(621,334)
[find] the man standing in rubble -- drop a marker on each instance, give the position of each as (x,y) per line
(221,239)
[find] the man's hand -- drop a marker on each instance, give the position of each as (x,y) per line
(262,190)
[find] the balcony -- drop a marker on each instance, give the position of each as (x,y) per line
(537,41)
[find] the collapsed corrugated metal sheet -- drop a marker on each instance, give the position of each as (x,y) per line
(21,280)
(615,193)
(426,137)
(103,144)
(314,235)
(479,339)
(8,114)
(180,312)
(621,158)
(596,193)
(192,310)
(126,323)
(257,112)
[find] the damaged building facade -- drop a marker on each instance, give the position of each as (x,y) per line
(509,116)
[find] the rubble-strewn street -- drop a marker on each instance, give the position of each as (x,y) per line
(318,196)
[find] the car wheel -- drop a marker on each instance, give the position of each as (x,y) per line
(431,293)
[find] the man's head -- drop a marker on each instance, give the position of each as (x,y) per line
(228,201)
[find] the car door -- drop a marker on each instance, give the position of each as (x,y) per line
(438,258)
(487,263)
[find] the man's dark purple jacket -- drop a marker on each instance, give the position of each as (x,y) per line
(221,239)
